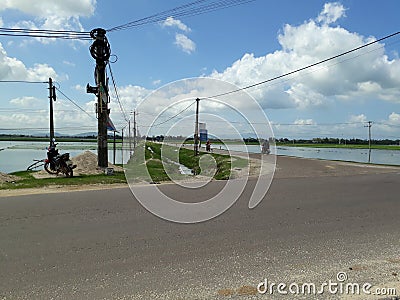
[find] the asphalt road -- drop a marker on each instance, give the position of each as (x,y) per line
(104,245)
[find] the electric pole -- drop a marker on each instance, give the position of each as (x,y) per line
(52,97)
(196,130)
(134,129)
(369,140)
(130,138)
(122,146)
(100,51)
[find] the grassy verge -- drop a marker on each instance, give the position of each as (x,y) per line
(28,181)
(153,165)
(158,165)
(348,146)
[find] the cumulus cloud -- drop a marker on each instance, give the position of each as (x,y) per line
(171,22)
(304,122)
(358,118)
(130,96)
(45,8)
(156,82)
(48,14)
(394,118)
(181,40)
(186,44)
(364,75)
(26,101)
(331,13)
(14,69)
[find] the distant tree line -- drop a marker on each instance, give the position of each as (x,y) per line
(336,141)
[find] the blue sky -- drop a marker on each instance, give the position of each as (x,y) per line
(240,45)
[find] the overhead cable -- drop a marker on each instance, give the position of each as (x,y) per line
(190,9)
(303,68)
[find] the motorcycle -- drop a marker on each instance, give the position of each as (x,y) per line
(56,163)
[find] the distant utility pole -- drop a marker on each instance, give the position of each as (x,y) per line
(52,97)
(196,130)
(369,140)
(130,138)
(134,129)
(100,51)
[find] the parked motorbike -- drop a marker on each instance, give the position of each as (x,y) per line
(56,163)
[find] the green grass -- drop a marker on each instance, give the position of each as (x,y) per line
(28,181)
(170,155)
(223,162)
(348,146)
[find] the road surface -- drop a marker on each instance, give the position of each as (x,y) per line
(318,219)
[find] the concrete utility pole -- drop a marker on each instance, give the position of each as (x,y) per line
(122,145)
(100,51)
(369,140)
(196,129)
(130,138)
(52,97)
(134,129)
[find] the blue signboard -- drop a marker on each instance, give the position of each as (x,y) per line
(203,135)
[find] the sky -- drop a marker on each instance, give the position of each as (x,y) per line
(163,67)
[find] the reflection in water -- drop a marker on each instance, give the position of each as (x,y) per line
(369,155)
(385,157)
(17,156)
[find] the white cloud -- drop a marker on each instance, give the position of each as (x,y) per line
(26,101)
(14,69)
(394,118)
(331,13)
(80,88)
(130,96)
(47,8)
(186,44)
(358,118)
(363,75)
(48,14)
(68,63)
(156,82)
(171,22)
(304,122)
(181,40)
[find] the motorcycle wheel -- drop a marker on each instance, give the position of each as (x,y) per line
(69,172)
(48,168)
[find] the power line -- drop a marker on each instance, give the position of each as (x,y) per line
(74,103)
(46,128)
(190,9)
(44,33)
(117,96)
(22,81)
(173,117)
(303,68)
